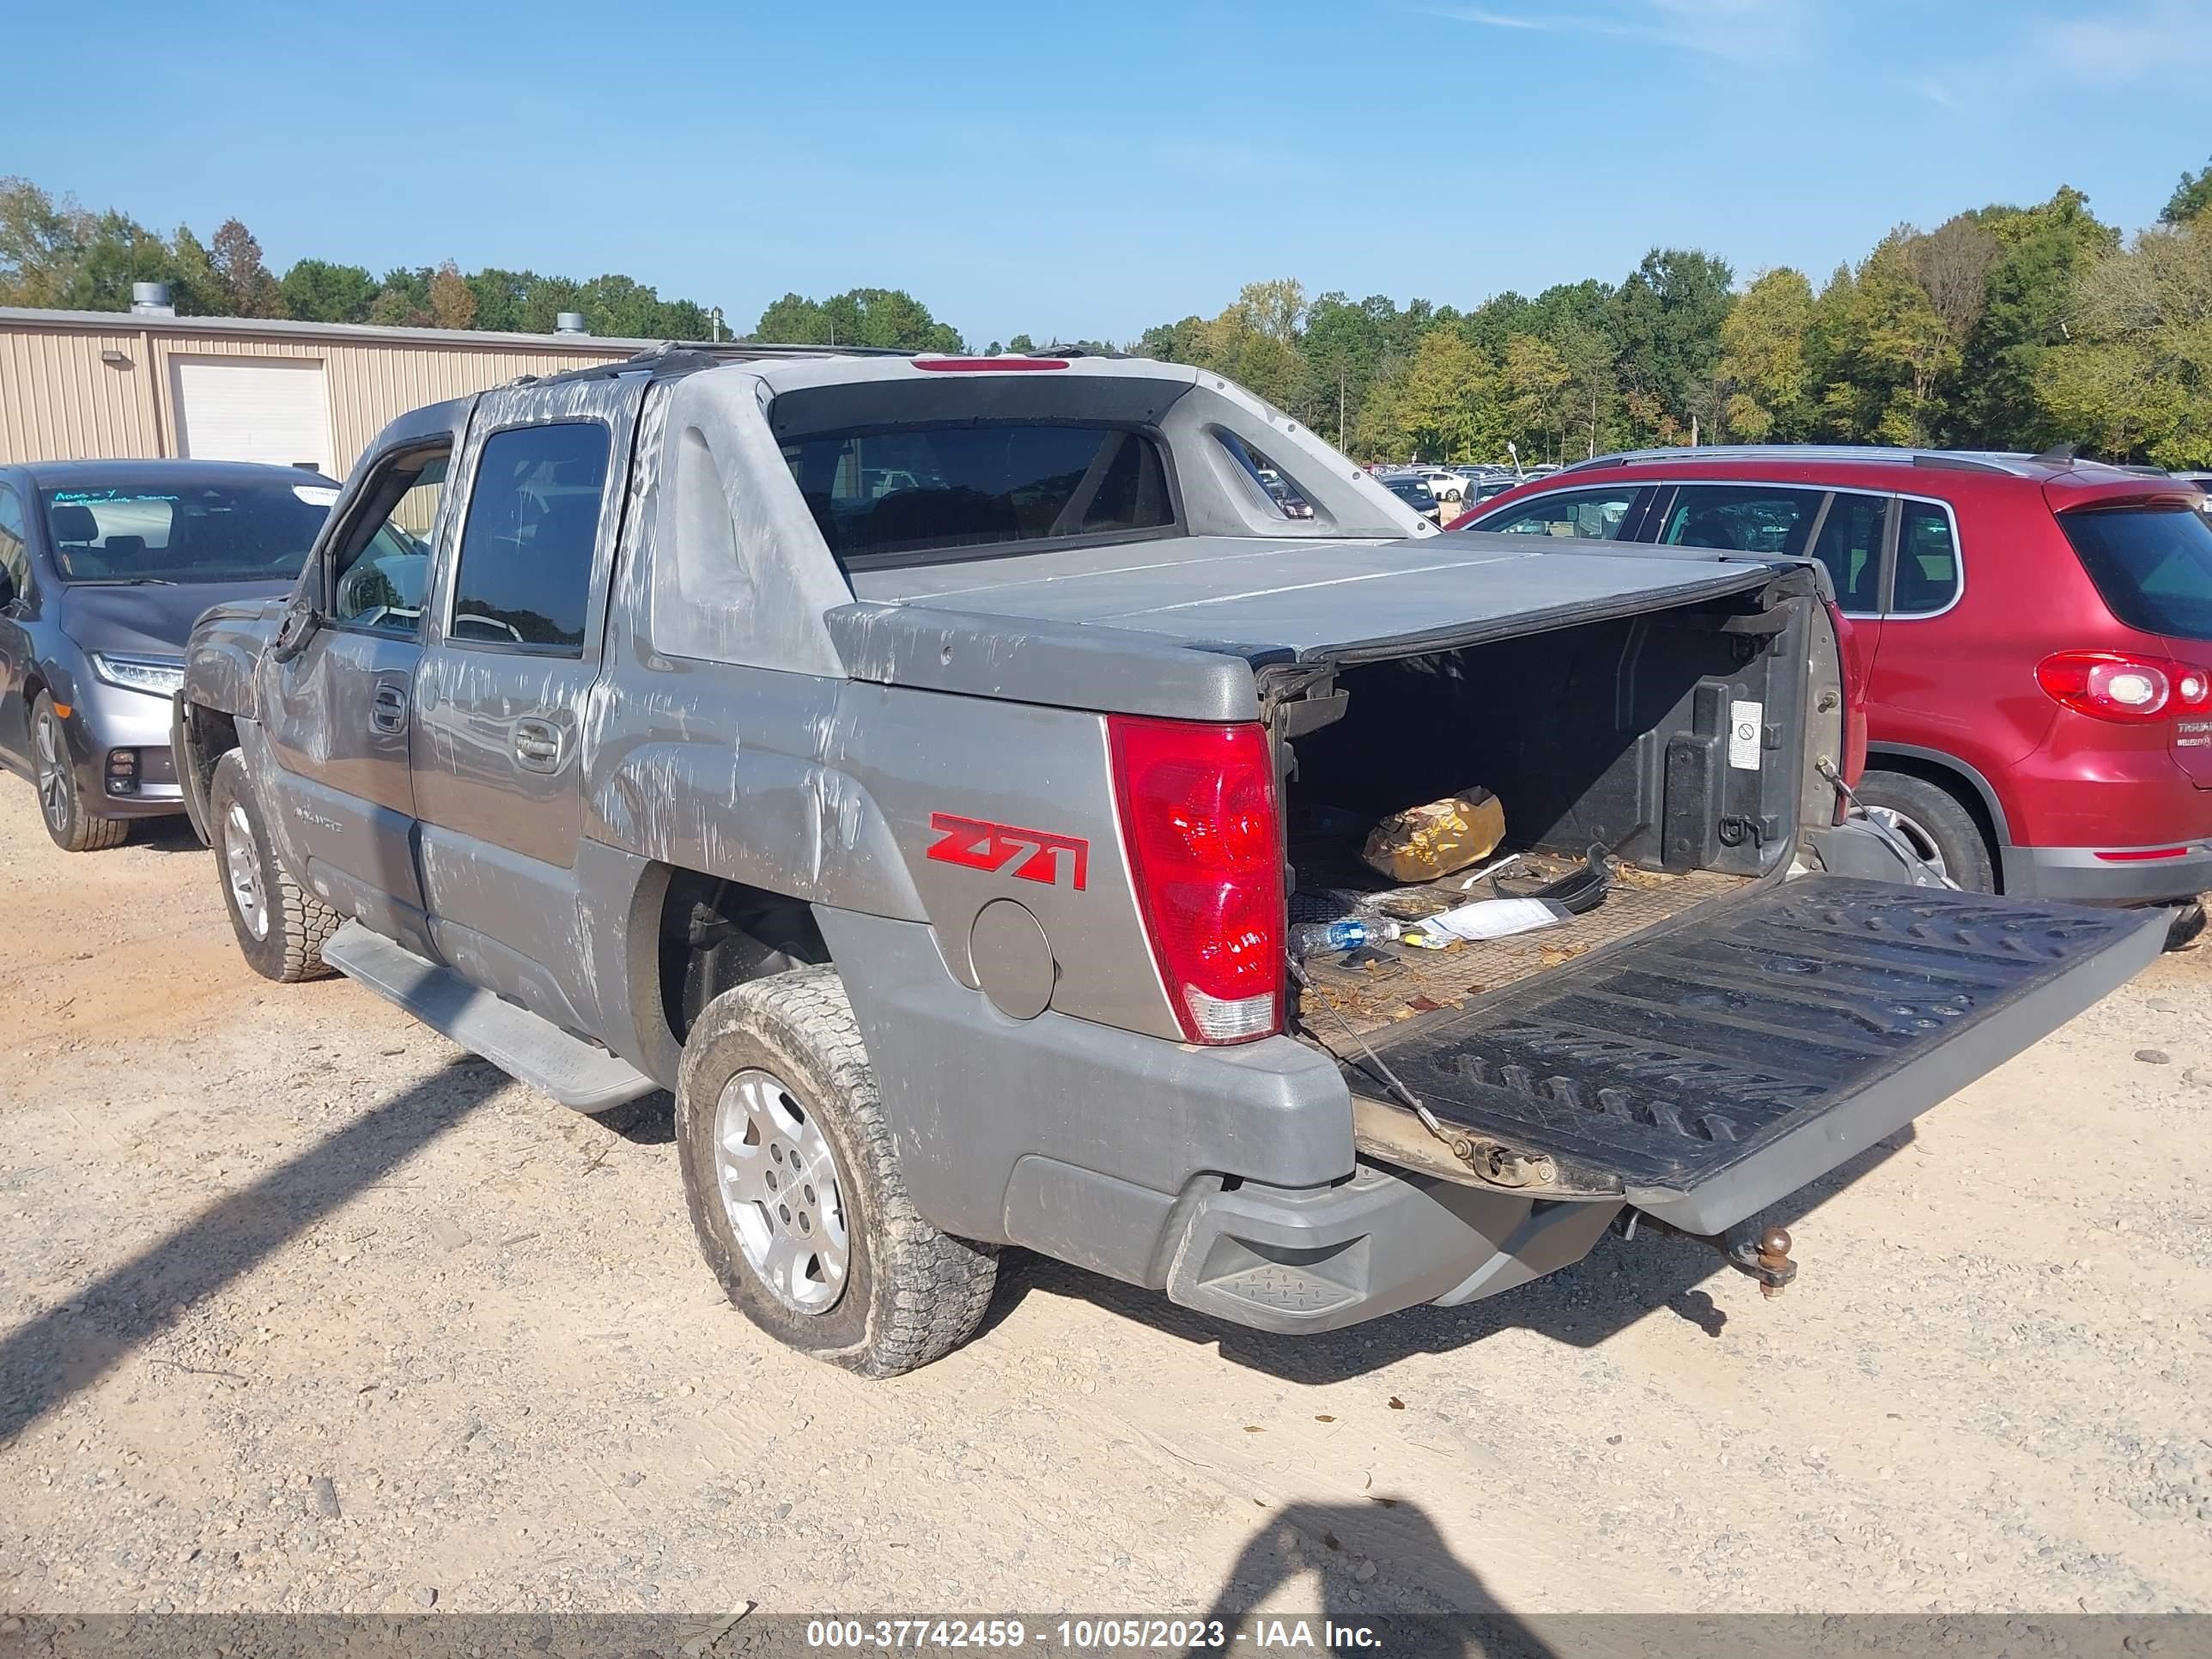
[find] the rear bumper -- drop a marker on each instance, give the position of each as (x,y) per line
(1321,1258)
(2091,875)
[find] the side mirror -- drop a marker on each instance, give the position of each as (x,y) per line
(301,619)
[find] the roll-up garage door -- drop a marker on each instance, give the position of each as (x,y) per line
(264,410)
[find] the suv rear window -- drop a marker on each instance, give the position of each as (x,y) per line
(2153,565)
(916,489)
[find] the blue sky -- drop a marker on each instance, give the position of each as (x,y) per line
(1088,170)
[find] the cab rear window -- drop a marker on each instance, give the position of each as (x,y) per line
(2152,564)
(911,490)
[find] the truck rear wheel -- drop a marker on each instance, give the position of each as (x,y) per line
(794,1187)
(280,926)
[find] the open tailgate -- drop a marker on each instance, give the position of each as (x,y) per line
(1719,1062)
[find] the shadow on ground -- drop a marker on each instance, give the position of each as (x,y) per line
(1415,1578)
(69,1348)
(1619,1282)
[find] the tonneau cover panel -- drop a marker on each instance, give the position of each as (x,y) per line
(1270,603)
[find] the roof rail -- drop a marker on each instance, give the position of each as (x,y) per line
(1976,460)
(674,357)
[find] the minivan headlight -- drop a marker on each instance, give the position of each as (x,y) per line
(162,676)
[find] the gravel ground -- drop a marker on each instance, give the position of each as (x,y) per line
(300,1308)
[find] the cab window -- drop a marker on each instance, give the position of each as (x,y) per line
(1590,514)
(382,562)
(524,575)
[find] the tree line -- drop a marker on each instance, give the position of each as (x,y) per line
(2002,328)
(54,253)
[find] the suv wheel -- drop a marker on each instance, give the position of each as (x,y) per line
(794,1187)
(1934,823)
(280,926)
(61,808)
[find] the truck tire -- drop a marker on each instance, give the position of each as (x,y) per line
(794,1187)
(61,806)
(1935,823)
(281,926)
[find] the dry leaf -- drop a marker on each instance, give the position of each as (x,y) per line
(1254,1428)
(1323,1416)
(1396,1404)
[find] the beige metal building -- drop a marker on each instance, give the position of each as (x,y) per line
(79,384)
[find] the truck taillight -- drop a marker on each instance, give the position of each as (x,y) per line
(1854,698)
(1200,818)
(2125,688)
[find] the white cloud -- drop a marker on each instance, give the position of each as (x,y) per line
(1740,31)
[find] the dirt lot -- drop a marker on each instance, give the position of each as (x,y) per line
(300,1308)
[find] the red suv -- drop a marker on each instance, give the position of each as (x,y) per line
(2034,636)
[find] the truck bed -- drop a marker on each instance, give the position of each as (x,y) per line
(1366,992)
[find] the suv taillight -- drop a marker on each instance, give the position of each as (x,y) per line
(1199,818)
(2124,687)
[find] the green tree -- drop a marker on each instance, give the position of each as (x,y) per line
(1540,400)
(1022,345)
(1666,322)
(1765,361)
(317,291)
(41,242)
(2191,197)
(403,299)
(2136,379)
(1996,402)
(860,317)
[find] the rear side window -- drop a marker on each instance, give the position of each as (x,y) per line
(524,575)
(1850,544)
(1748,520)
(1927,560)
(1591,514)
(881,493)
(2153,566)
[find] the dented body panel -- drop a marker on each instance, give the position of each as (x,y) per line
(755,747)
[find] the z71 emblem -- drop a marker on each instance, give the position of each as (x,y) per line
(1033,854)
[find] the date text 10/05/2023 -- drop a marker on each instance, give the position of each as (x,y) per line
(1126,1634)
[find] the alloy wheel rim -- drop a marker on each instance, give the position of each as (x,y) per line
(241,868)
(53,777)
(1915,835)
(782,1191)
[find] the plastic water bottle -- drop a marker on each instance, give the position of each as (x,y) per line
(1314,938)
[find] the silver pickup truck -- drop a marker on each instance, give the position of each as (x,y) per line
(919,765)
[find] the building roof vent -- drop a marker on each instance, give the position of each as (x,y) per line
(569,322)
(151,300)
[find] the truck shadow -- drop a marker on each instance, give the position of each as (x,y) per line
(1414,1581)
(1617,1284)
(68,1348)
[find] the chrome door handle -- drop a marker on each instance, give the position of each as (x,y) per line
(387,710)
(537,745)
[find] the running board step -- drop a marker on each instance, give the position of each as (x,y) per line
(538,1051)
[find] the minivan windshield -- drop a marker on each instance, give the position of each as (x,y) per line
(157,530)
(2152,564)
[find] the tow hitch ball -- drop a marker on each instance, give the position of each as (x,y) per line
(1761,1252)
